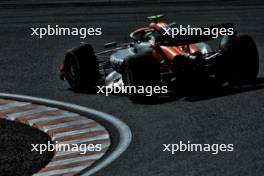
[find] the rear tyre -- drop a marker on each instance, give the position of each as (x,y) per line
(142,73)
(242,61)
(81,68)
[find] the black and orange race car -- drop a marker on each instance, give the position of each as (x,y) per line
(152,58)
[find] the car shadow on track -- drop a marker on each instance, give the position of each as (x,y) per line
(209,91)
(194,92)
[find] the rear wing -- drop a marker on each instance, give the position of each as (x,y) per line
(167,40)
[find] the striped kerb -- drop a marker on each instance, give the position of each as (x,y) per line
(63,127)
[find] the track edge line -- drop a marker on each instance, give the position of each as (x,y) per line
(125,135)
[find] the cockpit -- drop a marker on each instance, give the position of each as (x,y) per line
(144,34)
(154,30)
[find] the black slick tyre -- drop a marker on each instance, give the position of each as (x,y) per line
(242,61)
(81,68)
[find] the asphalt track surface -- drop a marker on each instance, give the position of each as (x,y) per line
(29,65)
(16,157)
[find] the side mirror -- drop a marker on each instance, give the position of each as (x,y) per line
(173,24)
(111,44)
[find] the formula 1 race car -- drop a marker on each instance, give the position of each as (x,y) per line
(154,59)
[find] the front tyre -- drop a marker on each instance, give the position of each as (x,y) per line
(81,68)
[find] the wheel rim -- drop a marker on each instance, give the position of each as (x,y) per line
(72,71)
(128,79)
